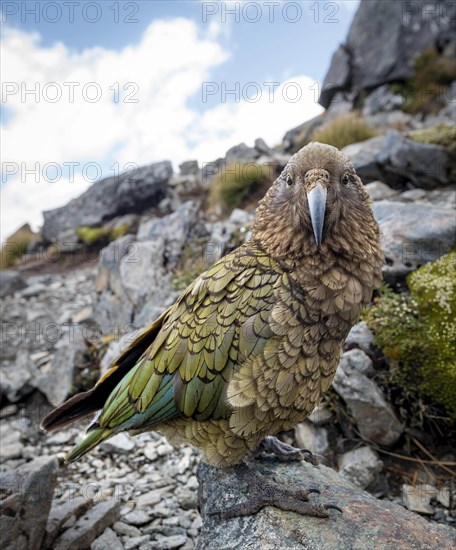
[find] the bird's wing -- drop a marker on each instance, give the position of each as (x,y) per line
(218,321)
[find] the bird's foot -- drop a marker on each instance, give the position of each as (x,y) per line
(283,451)
(269,493)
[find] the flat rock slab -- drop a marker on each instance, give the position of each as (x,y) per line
(366,523)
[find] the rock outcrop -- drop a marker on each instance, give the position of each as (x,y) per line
(401,29)
(130,192)
(365,522)
(398,161)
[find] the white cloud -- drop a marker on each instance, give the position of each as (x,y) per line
(167,67)
(278,109)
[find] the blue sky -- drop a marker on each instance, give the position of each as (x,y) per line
(163,56)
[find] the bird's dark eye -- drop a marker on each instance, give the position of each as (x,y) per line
(346,180)
(288,180)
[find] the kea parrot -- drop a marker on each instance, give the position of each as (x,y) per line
(251,345)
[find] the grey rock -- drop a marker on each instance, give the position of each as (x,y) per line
(168,543)
(413,234)
(262,147)
(134,273)
(117,347)
(311,437)
(146,275)
(398,161)
(378,190)
(374,417)
(393,119)
(221,233)
(186,499)
(175,230)
(18,379)
(189,168)
(127,222)
(11,445)
(89,526)
(130,192)
(119,444)
(151,498)
(341,103)
(360,336)
(137,542)
(137,517)
(366,523)
(186,186)
(321,415)
(125,529)
(364,157)
(241,217)
(413,195)
(10,282)
(296,137)
(153,307)
(165,449)
(382,100)
(26,501)
(56,383)
(107,541)
(417,498)
(401,33)
(338,76)
(112,308)
(357,360)
(360,466)
(241,153)
(33,290)
(60,513)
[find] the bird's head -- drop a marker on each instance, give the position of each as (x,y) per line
(317,198)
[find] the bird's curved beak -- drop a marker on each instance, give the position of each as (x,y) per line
(316,198)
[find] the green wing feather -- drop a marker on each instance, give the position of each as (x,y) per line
(217,322)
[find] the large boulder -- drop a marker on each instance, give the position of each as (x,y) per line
(413,234)
(402,30)
(366,522)
(108,198)
(399,161)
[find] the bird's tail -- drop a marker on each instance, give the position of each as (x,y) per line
(93,438)
(86,403)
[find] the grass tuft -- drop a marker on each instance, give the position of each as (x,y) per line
(237,185)
(343,130)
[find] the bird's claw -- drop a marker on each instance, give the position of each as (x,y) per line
(262,492)
(333,507)
(283,451)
